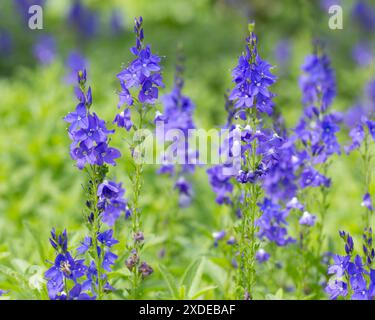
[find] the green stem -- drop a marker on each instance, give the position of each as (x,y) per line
(248,243)
(96,180)
(136,219)
(366,162)
(324,205)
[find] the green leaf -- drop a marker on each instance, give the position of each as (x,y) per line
(9,273)
(36,236)
(192,276)
(182,293)
(277,296)
(202,291)
(170,280)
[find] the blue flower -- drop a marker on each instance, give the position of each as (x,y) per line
(185,192)
(340,265)
(371,128)
(111,201)
(336,288)
(88,132)
(107,239)
(307,219)
(252,78)
(262,256)
(318,81)
(367,203)
(218,236)
(65,267)
(312,178)
(220,183)
(142,73)
(109,260)
(59,241)
(78,119)
(357,134)
(272,223)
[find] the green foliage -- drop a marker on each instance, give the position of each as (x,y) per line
(40,188)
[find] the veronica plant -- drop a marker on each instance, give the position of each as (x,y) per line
(140,81)
(361,135)
(258,152)
(317,129)
(178,115)
(105,203)
(352,275)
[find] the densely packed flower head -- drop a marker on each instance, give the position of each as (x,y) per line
(252,78)
(315,135)
(88,132)
(318,83)
(352,274)
(141,79)
(178,115)
(249,99)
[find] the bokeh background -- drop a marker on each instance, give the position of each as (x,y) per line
(40,187)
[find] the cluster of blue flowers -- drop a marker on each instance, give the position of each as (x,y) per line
(65,279)
(142,73)
(352,275)
(317,129)
(272,223)
(252,77)
(88,132)
(105,204)
(71,278)
(281,182)
(105,242)
(111,201)
(178,115)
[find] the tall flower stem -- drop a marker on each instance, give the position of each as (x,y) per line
(323,209)
(248,244)
(137,183)
(366,165)
(303,268)
(96,176)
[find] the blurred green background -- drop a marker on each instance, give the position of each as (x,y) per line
(39,186)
